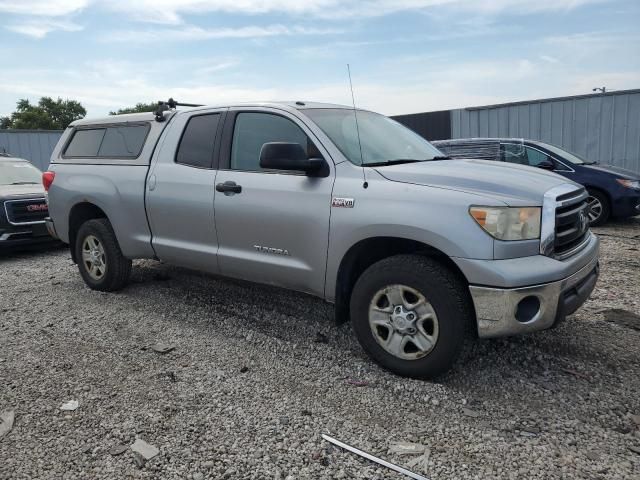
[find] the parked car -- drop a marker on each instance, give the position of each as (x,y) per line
(417,251)
(23,206)
(613,191)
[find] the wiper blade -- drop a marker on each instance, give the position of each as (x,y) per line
(397,161)
(24,183)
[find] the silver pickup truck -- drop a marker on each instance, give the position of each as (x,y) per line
(418,251)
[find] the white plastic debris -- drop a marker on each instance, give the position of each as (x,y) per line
(162,348)
(70,406)
(406,448)
(143,448)
(6,422)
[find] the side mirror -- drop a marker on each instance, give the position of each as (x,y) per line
(289,156)
(546,165)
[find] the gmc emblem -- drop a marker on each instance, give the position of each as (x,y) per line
(40,207)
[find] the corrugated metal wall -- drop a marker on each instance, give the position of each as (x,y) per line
(604,127)
(34,145)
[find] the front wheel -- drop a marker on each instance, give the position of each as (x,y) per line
(100,260)
(598,208)
(412,315)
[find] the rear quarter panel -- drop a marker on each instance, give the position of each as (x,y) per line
(117,190)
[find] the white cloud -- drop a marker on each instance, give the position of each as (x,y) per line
(39,28)
(172,11)
(190,33)
(45,8)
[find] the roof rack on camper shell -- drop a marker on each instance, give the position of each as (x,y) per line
(169,105)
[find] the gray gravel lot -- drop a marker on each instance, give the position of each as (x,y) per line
(257,374)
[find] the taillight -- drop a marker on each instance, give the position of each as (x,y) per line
(47,180)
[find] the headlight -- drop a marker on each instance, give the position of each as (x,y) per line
(508,223)
(635,184)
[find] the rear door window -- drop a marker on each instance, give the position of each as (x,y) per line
(198,141)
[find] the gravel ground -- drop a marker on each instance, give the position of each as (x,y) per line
(258,374)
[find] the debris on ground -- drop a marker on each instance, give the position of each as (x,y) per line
(422,462)
(139,460)
(470,413)
(146,450)
(357,383)
(244,369)
(377,460)
(6,422)
(162,348)
(69,406)
(575,373)
(407,448)
(118,450)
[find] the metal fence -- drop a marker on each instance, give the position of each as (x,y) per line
(603,127)
(33,145)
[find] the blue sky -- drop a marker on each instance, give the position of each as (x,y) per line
(406,55)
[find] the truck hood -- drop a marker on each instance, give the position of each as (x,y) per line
(512,184)
(21,191)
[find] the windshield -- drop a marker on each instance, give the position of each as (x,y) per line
(382,139)
(564,154)
(18,173)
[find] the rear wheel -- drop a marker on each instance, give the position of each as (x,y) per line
(598,208)
(411,315)
(100,260)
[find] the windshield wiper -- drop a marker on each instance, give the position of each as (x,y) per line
(400,161)
(24,183)
(397,161)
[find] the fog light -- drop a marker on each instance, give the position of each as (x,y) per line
(527,309)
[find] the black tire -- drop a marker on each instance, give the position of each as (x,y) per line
(448,296)
(117,267)
(605,211)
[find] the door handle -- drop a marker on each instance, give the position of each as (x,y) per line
(228,188)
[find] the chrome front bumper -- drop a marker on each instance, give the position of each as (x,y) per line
(503,312)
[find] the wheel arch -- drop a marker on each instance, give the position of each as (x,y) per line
(79,214)
(366,252)
(599,189)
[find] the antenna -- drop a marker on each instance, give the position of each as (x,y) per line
(365,184)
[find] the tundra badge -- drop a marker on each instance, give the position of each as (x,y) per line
(277,251)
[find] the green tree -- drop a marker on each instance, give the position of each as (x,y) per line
(139,108)
(48,114)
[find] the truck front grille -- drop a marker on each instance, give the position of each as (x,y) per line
(26,212)
(572,223)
